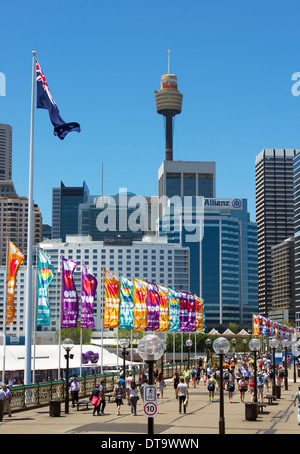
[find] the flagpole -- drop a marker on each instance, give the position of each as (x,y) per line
(28,312)
(34,315)
(5,314)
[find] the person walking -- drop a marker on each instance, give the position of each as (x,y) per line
(96,401)
(7,399)
(129,379)
(260,387)
(193,375)
(2,399)
(74,390)
(142,380)
(251,387)
(231,387)
(198,374)
(187,374)
(297,400)
(243,387)
(161,384)
(176,380)
(102,397)
(182,393)
(211,388)
(133,397)
(119,394)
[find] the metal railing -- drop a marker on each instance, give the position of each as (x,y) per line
(25,397)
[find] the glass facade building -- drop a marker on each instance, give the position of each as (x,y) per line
(223,263)
(274,213)
(296,169)
(65,204)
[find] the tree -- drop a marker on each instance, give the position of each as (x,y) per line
(74,334)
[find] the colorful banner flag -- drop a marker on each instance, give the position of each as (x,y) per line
(264,327)
(164,312)
(200,321)
(140,305)
(15,260)
(70,306)
(152,301)
(191,325)
(111,300)
(126,320)
(174,308)
(45,277)
(88,292)
(184,313)
(45,101)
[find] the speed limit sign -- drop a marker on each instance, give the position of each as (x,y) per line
(150,401)
(150,409)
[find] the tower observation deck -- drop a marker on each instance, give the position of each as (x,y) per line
(168,104)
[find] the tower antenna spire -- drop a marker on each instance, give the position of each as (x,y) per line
(168,104)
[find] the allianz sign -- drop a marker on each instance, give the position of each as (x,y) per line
(230,203)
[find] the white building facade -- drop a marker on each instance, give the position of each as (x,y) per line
(152,259)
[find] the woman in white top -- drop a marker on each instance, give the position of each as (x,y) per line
(133,397)
(128,383)
(182,393)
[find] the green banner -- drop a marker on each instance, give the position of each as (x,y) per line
(45,276)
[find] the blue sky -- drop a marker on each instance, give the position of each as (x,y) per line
(103,60)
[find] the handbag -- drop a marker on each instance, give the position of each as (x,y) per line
(95,401)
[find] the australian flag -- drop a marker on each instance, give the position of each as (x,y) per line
(45,101)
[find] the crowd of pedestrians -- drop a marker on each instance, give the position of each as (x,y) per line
(238,380)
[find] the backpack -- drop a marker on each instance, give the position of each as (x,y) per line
(230,386)
(211,386)
(243,386)
(226,376)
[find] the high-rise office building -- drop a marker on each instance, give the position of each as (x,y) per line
(5,152)
(297,236)
(65,204)
(223,260)
(283,282)
(274,213)
(187,178)
(14,224)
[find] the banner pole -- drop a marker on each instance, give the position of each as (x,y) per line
(5,315)
(28,312)
(102,322)
(34,317)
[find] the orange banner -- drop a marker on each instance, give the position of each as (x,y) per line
(112,300)
(163,309)
(140,289)
(199,306)
(15,260)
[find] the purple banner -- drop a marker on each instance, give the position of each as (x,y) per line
(69,314)
(191,307)
(152,302)
(89,287)
(184,315)
(187,312)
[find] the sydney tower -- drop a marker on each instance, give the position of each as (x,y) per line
(168,104)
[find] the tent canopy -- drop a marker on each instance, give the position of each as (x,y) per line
(47,357)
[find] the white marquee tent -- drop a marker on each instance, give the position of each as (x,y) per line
(47,357)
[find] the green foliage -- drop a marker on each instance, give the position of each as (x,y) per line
(74,334)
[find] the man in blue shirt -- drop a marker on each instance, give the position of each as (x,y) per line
(260,387)
(102,395)
(122,380)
